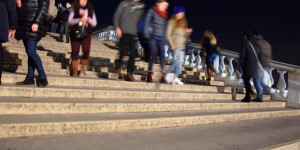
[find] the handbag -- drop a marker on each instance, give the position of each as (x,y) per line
(81,32)
(266,80)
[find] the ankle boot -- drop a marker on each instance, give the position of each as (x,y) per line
(74,66)
(42,82)
(149,77)
(129,77)
(1,68)
(29,80)
(84,66)
(163,80)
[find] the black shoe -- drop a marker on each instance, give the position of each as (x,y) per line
(60,40)
(257,100)
(246,100)
(42,82)
(28,81)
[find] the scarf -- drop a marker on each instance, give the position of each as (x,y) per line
(163,14)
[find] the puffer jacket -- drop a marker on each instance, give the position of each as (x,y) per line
(155,25)
(32,11)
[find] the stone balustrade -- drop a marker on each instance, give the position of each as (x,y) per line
(225,69)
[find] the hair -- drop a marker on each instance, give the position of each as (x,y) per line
(76,5)
(211,36)
(181,23)
(161,1)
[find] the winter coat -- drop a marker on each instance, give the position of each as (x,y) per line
(8,18)
(155,25)
(127,16)
(248,60)
(176,36)
(266,50)
(32,11)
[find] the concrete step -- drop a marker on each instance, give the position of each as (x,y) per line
(9,78)
(105,93)
(37,125)
(256,134)
(22,106)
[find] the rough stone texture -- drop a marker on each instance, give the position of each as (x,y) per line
(61,128)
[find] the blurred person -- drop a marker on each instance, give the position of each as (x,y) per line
(82,20)
(177,36)
(31,29)
(210,46)
(126,19)
(8,19)
(249,65)
(266,56)
(155,31)
(64,27)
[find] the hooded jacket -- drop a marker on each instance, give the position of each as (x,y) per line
(128,15)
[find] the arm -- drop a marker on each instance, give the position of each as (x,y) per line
(42,11)
(148,24)
(93,21)
(243,53)
(12,14)
(117,15)
(73,21)
(170,29)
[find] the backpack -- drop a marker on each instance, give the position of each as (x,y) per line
(52,10)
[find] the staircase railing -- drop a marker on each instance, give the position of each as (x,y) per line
(226,65)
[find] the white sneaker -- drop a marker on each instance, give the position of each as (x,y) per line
(177,81)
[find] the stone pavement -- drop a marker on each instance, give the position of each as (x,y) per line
(243,135)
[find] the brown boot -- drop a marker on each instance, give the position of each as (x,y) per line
(119,72)
(84,66)
(129,77)
(149,77)
(74,65)
(163,80)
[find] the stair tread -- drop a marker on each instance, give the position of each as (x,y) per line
(31,119)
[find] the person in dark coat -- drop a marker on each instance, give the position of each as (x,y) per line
(249,65)
(31,30)
(8,19)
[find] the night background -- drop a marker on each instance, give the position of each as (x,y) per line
(277,20)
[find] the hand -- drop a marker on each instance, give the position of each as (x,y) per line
(119,32)
(189,30)
(19,3)
(34,27)
(11,34)
(84,20)
(173,47)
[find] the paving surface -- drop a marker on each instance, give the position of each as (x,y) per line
(245,135)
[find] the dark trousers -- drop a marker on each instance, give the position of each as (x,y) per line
(85,43)
(127,44)
(257,84)
(34,60)
(157,48)
(64,29)
(1,60)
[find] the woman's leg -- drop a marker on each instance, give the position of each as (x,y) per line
(1,60)
(86,48)
(75,45)
(153,53)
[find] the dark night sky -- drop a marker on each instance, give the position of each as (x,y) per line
(277,20)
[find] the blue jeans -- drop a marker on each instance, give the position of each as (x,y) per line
(157,47)
(34,60)
(178,60)
(257,84)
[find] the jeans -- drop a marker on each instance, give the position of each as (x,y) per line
(157,47)
(34,60)
(178,61)
(257,84)
(127,43)
(64,28)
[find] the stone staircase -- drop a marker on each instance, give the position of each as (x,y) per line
(91,104)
